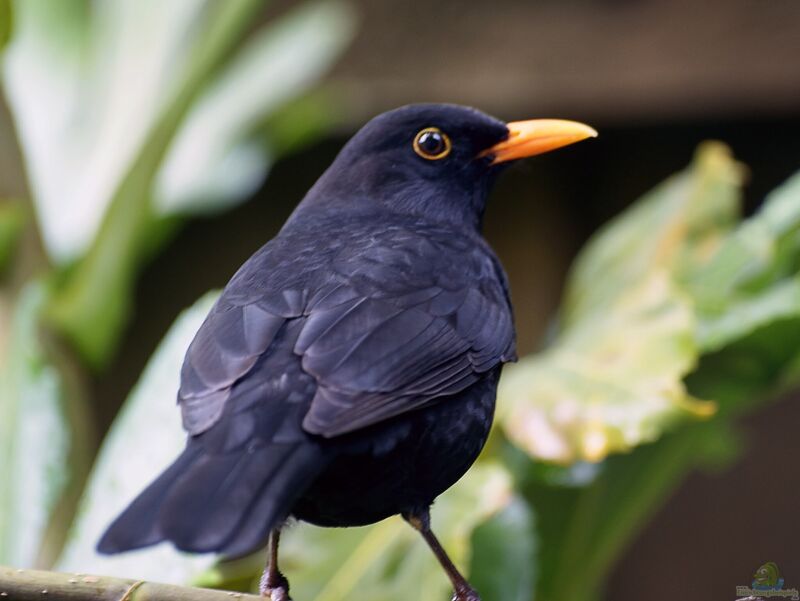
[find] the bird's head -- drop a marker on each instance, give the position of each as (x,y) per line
(435,160)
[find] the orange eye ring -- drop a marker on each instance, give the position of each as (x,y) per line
(432,144)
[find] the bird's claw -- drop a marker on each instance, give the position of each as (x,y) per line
(466,595)
(278,593)
(275,587)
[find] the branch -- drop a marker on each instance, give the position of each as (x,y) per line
(35,585)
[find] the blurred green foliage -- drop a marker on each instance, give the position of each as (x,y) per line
(678,315)
(6,22)
(12,220)
(33,436)
(628,329)
(133,115)
(120,472)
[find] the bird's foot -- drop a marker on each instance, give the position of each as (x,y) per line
(466,594)
(275,587)
(276,594)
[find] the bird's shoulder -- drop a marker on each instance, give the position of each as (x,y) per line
(363,249)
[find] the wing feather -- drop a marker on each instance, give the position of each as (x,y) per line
(382,328)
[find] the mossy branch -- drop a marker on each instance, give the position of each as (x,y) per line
(36,585)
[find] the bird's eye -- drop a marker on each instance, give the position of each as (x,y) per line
(432,143)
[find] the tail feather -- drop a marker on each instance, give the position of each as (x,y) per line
(225,503)
(273,503)
(138,525)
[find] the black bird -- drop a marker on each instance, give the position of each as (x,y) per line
(348,371)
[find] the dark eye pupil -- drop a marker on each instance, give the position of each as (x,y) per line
(431,142)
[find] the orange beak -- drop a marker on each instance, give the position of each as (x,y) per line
(536,136)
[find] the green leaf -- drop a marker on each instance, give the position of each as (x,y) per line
(34,433)
(748,302)
(503,562)
(85,82)
(297,124)
(583,530)
(90,85)
(145,437)
(722,322)
(613,378)
(12,220)
(608,384)
(174,103)
(6,22)
(91,308)
(681,220)
(752,369)
(744,315)
(752,279)
(390,561)
(214,160)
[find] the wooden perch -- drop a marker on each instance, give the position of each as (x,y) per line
(36,585)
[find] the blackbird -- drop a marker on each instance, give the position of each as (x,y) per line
(348,371)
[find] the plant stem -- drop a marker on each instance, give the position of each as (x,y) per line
(35,585)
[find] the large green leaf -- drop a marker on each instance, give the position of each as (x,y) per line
(214,159)
(389,561)
(34,434)
(680,221)
(583,529)
(503,562)
(86,83)
(746,314)
(613,378)
(129,111)
(752,279)
(144,439)
(737,289)
(590,524)
(92,306)
(609,384)
(744,373)
(747,296)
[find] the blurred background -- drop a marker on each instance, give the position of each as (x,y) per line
(221,118)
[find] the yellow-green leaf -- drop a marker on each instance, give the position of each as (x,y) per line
(613,378)
(753,278)
(683,219)
(609,383)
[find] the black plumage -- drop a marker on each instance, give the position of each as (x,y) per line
(348,371)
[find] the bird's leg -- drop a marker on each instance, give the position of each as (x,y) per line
(420,520)
(273,584)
